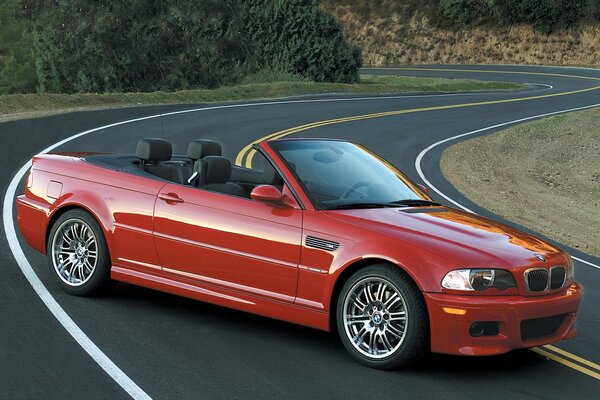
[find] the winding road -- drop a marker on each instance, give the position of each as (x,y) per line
(141,343)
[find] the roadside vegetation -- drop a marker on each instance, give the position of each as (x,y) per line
(544,175)
(78,46)
(17,73)
(30,105)
(76,54)
(547,32)
(544,15)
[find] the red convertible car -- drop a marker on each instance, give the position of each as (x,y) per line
(322,233)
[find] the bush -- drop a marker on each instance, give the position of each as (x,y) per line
(545,15)
(16,77)
(16,61)
(458,11)
(593,9)
(295,36)
(270,75)
(113,46)
(466,11)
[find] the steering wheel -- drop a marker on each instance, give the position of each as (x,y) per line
(353,188)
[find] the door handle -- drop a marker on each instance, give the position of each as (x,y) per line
(170,198)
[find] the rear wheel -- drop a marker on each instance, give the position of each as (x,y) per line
(381,318)
(78,255)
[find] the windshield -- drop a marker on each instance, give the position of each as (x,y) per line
(337,174)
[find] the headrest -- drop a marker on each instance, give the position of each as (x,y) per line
(213,169)
(270,176)
(153,149)
(201,148)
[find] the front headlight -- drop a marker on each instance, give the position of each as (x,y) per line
(478,279)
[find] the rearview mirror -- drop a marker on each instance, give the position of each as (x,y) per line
(267,194)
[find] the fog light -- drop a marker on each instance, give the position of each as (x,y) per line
(484,328)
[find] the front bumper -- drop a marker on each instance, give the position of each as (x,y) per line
(450,331)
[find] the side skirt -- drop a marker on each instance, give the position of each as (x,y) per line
(227,298)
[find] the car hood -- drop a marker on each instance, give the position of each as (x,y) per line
(467,239)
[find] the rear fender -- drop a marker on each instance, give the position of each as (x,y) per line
(92,202)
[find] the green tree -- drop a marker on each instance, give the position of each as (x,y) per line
(545,15)
(16,61)
(109,46)
(141,45)
(295,36)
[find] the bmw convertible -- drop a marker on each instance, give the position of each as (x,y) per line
(320,232)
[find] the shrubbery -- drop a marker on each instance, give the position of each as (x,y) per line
(16,61)
(140,45)
(16,76)
(295,36)
(545,15)
(465,11)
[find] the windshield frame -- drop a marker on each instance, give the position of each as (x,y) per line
(318,205)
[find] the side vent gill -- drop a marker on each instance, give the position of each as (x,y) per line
(322,244)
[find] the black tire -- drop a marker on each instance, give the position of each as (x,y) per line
(405,342)
(68,251)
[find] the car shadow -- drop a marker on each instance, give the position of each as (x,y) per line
(327,344)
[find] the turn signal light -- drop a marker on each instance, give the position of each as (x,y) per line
(455,311)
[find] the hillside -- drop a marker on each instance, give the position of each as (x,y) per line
(413,32)
(554,186)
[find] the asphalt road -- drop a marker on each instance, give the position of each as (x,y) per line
(177,348)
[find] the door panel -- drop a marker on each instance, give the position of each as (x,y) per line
(229,241)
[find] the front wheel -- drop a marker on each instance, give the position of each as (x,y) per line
(382,318)
(78,255)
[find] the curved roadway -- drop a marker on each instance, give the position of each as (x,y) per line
(177,348)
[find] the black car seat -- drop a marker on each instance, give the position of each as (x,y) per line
(153,153)
(214,173)
(201,148)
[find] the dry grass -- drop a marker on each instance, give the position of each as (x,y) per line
(543,174)
(389,37)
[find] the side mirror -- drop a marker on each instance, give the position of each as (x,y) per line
(267,194)
(423,188)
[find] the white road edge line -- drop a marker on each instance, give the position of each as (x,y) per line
(59,313)
(548,87)
(419,158)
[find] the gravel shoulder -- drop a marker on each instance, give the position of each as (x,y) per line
(544,175)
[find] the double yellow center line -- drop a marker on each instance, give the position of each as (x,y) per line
(245,156)
(570,360)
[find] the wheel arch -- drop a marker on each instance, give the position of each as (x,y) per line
(98,281)
(350,270)
(58,212)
